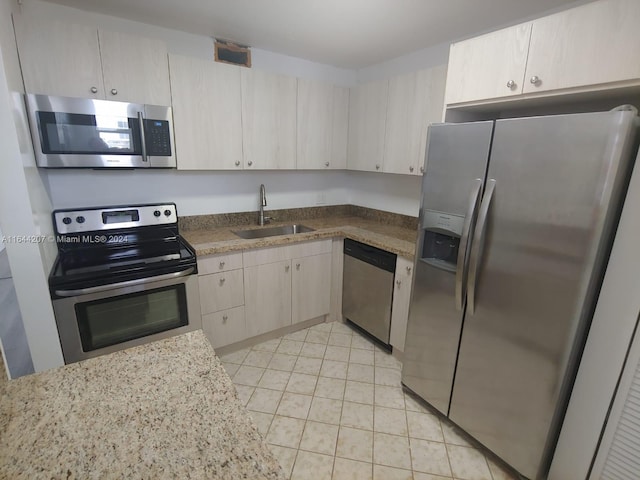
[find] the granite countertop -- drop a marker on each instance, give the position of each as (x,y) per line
(161,410)
(393,238)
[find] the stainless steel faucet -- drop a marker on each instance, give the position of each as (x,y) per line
(263,203)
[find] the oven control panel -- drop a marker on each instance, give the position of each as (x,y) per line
(112,218)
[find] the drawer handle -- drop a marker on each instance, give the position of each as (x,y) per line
(411,169)
(222,281)
(408,270)
(398,282)
(225,317)
(511,84)
(237,163)
(286,268)
(297,266)
(249,163)
(221,264)
(94,90)
(535,80)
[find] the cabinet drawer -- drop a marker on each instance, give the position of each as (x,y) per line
(220,291)
(219,263)
(306,249)
(225,327)
(262,256)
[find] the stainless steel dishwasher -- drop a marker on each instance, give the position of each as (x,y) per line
(368,288)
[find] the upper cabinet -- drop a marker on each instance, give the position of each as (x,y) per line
(415,101)
(206,113)
(322,116)
(367,117)
(79,61)
(591,45)
(268,120)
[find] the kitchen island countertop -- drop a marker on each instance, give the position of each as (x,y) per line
(162,410)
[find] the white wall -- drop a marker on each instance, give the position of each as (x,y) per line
(392,193)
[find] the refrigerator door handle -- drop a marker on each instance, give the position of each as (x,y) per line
(477,245)
(465,246)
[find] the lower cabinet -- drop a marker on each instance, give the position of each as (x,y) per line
(311,287)
(401,300)
(225,327)
(267,290)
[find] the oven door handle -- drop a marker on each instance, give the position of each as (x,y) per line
(129,283)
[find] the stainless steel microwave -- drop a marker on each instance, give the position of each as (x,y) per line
(85,133)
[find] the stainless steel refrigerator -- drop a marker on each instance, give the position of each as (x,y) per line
(516,224)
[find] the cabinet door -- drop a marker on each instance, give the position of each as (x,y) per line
(311,287)
(59,58)
(225,327)
(267,292)
(367,115)
(483,67)
(415,101)
(592,44)
(206,114)
(220,291)
(314,124)
(401,300)
(135,69)
(268,120)
(340,128)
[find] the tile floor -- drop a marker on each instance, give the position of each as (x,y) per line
(330,405)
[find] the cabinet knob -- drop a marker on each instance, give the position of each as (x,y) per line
(286,268)
(114,91)
(249,163)
(377,166)
(297,266)
(398,282)
(221,264)
(222,281)
(511,84)
(411,169)
(237,163)
(94,90)
(408,269)
(326,164)
(225,317)
(535,80)
(421,169)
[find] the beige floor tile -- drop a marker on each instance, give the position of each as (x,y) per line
(282,362)
(453,435)
(387,376)
(360,373)
(390,420)
(357,415)
(312,466)
(498,472)
(244,393)
(274,379)
(384,359)
(315,336)
(355,444)
(468,463)
(345,469)
(265,401)
(247,375)
(310,366)
(235,357)
(322,327)
(358,341)
(294,405)
(334,369)
(256,358)
(391,397)
(338,354)
(301,383)
(286,457)
(285,431)
(313,350)
(289,347)
(339,339)
(325,410)
(262,421)
(268,346)
(330,388)
(414,405)
(428,476)
(424,426)
(391,450)
(381,472)
(339,327)
(230,368)
(319,438)
(430,457)
(359,392)
(298,336)
(364,357)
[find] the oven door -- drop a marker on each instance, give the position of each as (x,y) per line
(110,319)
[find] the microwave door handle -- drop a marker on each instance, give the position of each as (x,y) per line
(143,139)
(129,283)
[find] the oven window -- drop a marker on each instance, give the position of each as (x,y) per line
(114,320)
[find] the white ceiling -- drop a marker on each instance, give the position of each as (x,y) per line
(343,33)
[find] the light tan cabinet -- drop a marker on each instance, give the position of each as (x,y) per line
(268,120)
(206,112)
(81,61)
(267,297)
(415,101)
(367,119)
(311,287)
(401,300)
(225,327)
(322,116)
(221,291)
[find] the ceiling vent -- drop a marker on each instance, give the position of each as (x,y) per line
(228,52)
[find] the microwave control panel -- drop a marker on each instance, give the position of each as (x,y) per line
(158,140)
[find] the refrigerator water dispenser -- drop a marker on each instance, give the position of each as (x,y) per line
(441,234)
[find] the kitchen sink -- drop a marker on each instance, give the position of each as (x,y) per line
(273,231)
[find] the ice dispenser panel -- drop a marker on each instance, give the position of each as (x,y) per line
(441,239)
